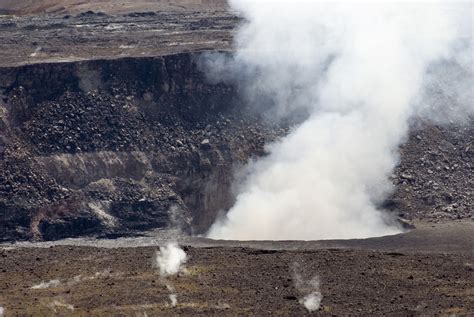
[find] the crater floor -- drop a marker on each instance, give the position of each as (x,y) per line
(428,271)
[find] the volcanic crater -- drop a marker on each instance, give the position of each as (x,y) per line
(114,134)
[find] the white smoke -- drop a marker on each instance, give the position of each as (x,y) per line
(173,300)
(309,287)
(49,284)
(2,311)
(169,259)
(360,72)
(74,280)
(312,301)
(61,305)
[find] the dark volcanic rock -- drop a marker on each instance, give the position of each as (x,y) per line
(435,178)
(118,146)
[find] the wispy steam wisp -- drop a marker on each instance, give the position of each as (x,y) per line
(170,260)
(360,72)
(309,288)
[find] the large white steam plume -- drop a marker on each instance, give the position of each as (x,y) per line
(360,71)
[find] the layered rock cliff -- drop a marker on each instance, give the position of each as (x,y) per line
(112,147)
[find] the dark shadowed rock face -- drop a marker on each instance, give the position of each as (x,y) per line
(117,146)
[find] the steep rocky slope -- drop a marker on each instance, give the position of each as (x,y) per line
(435,178)
(116,146)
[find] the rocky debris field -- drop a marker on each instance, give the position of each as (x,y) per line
(435,178)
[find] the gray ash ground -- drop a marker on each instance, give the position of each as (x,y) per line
(234,281)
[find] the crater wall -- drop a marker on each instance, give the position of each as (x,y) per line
(114,147)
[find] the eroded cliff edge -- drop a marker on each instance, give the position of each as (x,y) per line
(118,146)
